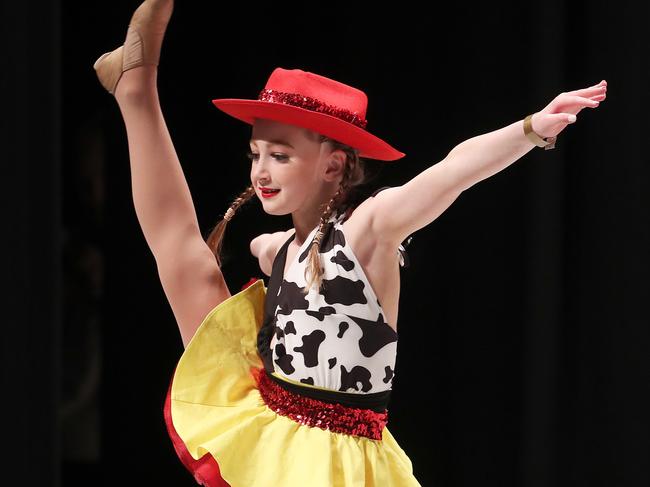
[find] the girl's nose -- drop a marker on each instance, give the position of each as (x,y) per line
(260,172)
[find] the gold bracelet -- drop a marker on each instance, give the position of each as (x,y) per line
(547,142)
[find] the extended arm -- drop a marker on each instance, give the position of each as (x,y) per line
(482,156)
(400,211)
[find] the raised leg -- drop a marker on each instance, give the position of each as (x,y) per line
(189,273)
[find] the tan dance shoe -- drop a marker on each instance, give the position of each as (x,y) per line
(142,44)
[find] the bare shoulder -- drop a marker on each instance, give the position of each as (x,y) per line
(265,247)
(276,242)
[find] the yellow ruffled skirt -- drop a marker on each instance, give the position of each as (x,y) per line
(226,435)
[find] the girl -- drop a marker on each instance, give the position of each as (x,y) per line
(289,385)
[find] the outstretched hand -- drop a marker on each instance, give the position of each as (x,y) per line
(563,109)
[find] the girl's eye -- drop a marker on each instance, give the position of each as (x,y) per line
(252,156)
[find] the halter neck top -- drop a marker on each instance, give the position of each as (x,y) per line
(333,342)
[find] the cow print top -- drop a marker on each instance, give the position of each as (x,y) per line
(335,338)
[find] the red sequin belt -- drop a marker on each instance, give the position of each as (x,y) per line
(325,415)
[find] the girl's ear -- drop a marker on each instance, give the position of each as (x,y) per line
(335,165)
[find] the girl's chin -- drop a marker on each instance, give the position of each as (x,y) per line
(274,209)
(275,212)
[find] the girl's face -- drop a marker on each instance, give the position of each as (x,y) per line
(291,159)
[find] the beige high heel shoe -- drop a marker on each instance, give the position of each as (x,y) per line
(142,44)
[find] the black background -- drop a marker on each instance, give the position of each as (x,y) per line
(523,353)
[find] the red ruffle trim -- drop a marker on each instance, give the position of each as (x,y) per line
(206,469)
(252,281)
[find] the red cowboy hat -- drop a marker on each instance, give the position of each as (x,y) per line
(315,102)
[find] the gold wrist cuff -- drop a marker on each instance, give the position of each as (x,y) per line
(547,142)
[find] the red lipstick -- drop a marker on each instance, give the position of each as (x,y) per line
(269,192)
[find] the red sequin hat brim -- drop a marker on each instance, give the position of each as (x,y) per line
(328,107)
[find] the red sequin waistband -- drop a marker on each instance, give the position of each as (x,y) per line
(325,415)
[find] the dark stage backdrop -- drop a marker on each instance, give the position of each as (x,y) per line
(523,352)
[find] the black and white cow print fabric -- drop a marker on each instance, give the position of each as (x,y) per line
(335,338)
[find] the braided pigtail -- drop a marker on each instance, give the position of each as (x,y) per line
(215,238)
(352,176)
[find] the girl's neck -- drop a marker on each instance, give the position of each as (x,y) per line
(304,227)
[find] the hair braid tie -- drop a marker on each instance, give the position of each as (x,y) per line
(229,214)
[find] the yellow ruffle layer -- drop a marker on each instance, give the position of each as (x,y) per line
(216,408)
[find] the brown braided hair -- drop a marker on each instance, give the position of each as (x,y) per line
(354,175)
(215,238)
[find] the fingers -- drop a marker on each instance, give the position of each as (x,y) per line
(585,102)
(595,90)
(589,92)
(573,103)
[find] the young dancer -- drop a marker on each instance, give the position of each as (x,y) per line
(289,384)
